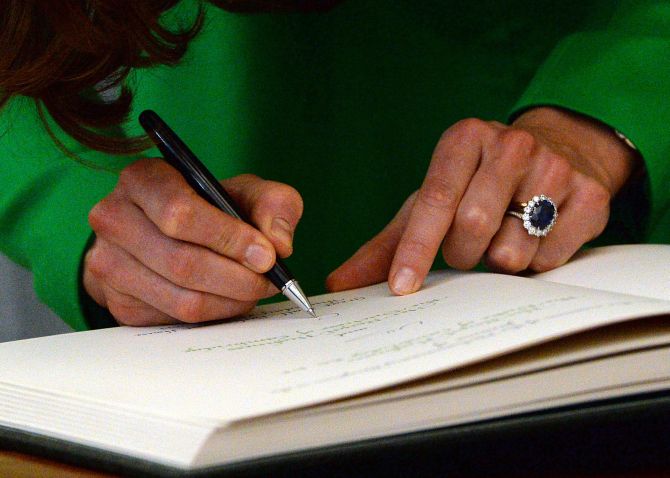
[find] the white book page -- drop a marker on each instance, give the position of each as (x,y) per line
(638,269)
(280,359)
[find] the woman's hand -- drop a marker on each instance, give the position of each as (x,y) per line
(162,254)
(478,169)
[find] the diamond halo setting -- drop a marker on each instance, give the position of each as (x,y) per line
(539,215)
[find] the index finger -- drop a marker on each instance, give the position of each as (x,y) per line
(175,208)
(455,160)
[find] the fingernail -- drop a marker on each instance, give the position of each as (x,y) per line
(258,258)
(404,281)
(281,229)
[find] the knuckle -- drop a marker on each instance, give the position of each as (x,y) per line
(597,196)
(467,129)
(547,261)
(232,241)
(253,288)
(181,264)
(436,193)
(476,222)
(518,139)
(127,174)
(556,169)
(97,216)
(455,259)
(245,308)
(102,216)
(131,314)
(175,216)
(282,195)
(516,146)
(131,173)
(542,265)
(237,184)
(97,263)
(506,259)
(409,202)
(190,307)
(246,178)
(121,314)
(416,248)
(381,248)
(239,308)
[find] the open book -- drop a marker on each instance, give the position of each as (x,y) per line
(469,346)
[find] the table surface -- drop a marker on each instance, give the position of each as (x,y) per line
(19,465)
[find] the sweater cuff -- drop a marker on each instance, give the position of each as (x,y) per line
(94,315)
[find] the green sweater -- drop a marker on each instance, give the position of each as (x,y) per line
(347,106)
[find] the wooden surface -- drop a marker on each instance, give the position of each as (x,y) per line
(18,465)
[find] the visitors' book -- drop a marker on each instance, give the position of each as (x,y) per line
(468,347)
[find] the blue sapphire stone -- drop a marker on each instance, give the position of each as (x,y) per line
(543,214)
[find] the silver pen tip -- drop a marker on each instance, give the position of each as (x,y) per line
(293,292)
(312,313)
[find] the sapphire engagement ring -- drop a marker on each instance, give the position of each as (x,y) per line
(538,215)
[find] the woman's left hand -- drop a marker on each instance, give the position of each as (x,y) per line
(477,170)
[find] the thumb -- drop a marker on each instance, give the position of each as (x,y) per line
(372,262)
(274,208)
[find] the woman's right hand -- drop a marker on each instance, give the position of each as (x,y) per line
(162,254)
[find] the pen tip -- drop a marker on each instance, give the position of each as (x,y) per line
(312,313)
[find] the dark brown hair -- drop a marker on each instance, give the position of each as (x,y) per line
(59,52)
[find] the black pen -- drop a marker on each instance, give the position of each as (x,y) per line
(180,157)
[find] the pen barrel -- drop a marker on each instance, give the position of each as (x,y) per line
(179,156)
(218,198)
(279,275)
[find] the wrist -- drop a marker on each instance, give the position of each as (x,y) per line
(605,150)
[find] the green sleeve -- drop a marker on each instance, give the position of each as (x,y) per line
(620,74)
(45,197)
